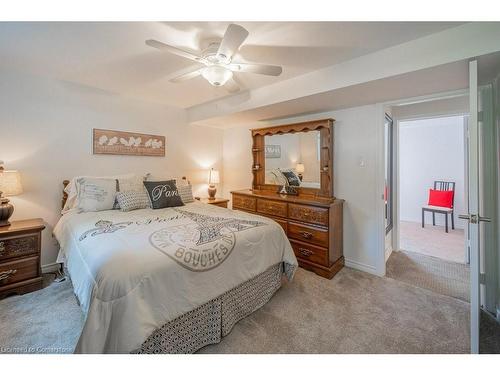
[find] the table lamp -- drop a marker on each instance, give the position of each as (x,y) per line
(213,178)
(10,184)
(300,170)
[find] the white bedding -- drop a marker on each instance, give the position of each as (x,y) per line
(134,271)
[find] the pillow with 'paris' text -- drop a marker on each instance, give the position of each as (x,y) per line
(163,194)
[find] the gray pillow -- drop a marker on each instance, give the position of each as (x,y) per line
(132,200)
(186,193)
(163,194)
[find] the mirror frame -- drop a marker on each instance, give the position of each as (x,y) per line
(325,128)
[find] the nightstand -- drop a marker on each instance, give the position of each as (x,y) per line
(20,246)
(221,202)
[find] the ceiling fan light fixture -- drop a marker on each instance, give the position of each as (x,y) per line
(217,75)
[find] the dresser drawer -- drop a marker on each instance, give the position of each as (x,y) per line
(269,207)
(18,246)
(310,252)
(244,203)
(282,223)
(308,234)
(18,270)
(308,214)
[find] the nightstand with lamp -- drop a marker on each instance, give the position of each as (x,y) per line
(20,242)
(213,178)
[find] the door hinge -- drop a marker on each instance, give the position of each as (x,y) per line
(482,278)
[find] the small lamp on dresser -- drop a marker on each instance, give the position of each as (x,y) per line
(10,184)
(300,170)
(213,178)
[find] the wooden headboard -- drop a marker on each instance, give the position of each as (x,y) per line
(66,182)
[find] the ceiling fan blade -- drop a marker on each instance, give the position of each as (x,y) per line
(269,70)
(233,38)
(176,51)
(232,86)
(185,76)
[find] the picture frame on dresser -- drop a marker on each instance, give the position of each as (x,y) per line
(313,218)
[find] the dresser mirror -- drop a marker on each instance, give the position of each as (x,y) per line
(293,159)
(298,155)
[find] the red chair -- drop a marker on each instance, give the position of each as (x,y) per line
(441,203)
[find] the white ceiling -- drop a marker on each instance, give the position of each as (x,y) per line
(113,57)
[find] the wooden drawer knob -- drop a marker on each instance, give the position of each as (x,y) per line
(305,252)
(307,235)
(4,275)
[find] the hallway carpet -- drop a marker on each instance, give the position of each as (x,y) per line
(353,313)
(447,278)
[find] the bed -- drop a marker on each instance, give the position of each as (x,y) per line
(169,280)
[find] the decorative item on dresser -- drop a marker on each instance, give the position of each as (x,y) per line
(20,245)
(221,202)
(312,219)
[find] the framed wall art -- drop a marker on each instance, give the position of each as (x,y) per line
(113,142)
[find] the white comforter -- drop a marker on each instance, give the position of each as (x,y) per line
(134,271)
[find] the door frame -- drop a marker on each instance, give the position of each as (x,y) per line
(380,167)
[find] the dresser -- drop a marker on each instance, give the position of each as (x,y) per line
(314,225)
(20,245)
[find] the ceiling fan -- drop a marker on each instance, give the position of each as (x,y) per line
(217,58)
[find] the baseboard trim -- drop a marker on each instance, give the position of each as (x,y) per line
(51,267)
(361,266)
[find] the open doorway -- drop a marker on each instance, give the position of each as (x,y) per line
(432,186)
(426,191)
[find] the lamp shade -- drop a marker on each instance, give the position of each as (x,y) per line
(213,177)
(10,183)
(300,168)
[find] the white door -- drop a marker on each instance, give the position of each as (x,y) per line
(479,181)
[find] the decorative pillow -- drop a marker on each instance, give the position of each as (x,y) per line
(96,194)
(441,198)
(186,193)
(163,194)
(72,188)
(132,200)
(292,178)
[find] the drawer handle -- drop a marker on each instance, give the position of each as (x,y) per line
(6,274)
(307,235)
(305,252)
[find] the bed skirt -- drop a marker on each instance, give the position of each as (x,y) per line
(213,320)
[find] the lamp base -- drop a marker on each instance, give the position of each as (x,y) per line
(211,192)
(6,211)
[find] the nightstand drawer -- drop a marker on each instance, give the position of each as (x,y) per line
(18,270)
(18,246)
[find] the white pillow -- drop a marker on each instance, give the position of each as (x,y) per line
(96,194)
(72,190)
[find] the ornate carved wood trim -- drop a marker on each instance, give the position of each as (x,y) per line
(325,127)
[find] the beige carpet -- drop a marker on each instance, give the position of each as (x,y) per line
(433,241)
(353,313)
(447,278)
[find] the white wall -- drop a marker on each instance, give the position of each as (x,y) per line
(46,133)
(355,143)
(430,149)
